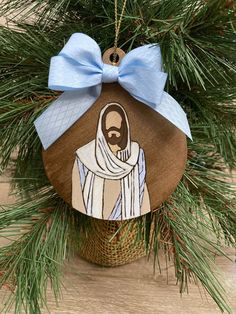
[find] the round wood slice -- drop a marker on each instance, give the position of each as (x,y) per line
(164,146)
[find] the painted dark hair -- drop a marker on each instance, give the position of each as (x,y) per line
(123,129)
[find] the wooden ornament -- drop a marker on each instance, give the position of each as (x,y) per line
(89,165)
(109,58)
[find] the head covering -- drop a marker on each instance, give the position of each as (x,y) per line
(101,163)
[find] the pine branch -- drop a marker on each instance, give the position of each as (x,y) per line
(24,62)
(216,197)
(17,131)
(193,35)
(197,40)
(182,230)
(221,139)
(36,258)
(190,229)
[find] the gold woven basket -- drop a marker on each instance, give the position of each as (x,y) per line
(104,247)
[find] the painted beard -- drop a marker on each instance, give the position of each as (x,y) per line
(114,135)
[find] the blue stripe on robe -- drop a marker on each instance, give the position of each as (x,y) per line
(116,212)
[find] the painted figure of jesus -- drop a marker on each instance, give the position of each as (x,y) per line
(108,179)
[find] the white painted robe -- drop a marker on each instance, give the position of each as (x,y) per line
(109,186)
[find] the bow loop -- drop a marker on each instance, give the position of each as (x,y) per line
(147,56)
(78,65)
(79,71)
(82,49)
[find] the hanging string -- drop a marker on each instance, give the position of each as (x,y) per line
(117,27)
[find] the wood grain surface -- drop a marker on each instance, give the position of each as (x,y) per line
(131,289)
(164,146)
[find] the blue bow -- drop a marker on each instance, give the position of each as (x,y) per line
(79,71)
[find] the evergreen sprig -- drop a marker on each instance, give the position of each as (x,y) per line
(197,39)
(182,232)
(41,229)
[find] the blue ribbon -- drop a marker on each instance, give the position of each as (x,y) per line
(79,71)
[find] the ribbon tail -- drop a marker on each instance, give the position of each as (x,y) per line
(170,109)
(64,112)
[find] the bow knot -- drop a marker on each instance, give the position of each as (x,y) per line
(110,73)
(78,70)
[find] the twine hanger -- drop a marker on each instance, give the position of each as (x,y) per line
(117,27)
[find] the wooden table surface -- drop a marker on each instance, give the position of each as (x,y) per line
(131,288)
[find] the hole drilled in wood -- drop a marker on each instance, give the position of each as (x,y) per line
(113,56)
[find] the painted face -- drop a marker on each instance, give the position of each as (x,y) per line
(114,126)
